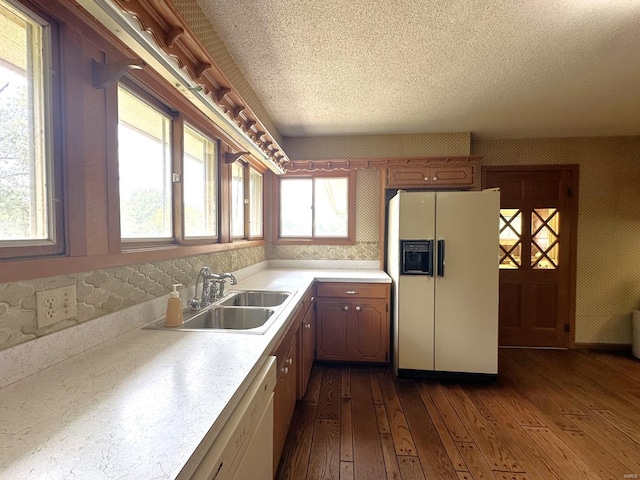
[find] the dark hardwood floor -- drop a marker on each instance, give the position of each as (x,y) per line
(551,415)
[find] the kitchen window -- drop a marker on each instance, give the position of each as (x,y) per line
(200,185)
(255,204)
(246,202)
(317,209)
(31,218)
(237,200)
(145,166)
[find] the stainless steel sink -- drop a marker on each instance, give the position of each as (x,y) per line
(256,298)
(228,318)
(254,320)
(244,311)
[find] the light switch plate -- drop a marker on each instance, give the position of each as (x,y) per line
(55,305)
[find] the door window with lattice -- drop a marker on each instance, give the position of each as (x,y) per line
(510,238)
(541,239)
(545,224)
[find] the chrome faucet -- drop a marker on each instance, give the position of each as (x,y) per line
(207,277)
(212,288)
(220,280)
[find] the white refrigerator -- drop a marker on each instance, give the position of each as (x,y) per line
(443,259)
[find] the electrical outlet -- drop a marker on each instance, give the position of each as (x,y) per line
(55,305)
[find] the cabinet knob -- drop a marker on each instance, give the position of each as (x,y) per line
(284,370)
(307,326)
(435,179)
(289,361)
(351,292)
(311,299)
(426,179)
(358,309)
(345,308)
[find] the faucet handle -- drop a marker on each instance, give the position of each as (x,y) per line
(194,304)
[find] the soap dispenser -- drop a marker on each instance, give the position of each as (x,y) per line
(173,317)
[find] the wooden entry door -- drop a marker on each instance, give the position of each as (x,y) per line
(538,220)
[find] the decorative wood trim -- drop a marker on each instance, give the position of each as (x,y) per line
(315,165)
(604,347)
(173,35)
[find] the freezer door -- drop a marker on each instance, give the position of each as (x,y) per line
(466,294)
(414,294)
(415,323)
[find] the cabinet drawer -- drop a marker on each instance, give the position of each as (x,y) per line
(353,290)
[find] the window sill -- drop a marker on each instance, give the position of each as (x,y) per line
(32,268)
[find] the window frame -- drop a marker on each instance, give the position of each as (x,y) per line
(350,239)
(250,236)
(181,236)
(244,167)
(52,114)
(152,101)
(85,143)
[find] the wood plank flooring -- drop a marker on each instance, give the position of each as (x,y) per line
(551,415)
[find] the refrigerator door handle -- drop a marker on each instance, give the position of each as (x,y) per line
(430,259)
(441,258)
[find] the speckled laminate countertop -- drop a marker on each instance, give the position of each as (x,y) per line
(146,404)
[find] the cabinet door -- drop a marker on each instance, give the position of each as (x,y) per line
(284,399)
(431,175)
(332,338)
(308,335)
(452,175)
(369,332)
(407,176)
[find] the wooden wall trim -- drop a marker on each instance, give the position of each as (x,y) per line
(173,35)
(29,269)
(606,347)
(294,166)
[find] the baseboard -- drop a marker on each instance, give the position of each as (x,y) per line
(609,347)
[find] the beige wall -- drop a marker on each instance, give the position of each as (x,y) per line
(608,257)
(608,270)
(377,146)
(608,263)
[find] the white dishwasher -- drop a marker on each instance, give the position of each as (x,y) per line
(244,448)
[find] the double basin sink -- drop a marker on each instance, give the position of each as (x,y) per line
(245,311)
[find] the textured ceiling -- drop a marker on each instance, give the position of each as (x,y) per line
(496,68)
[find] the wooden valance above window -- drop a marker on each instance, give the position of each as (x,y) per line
(405,173)
(175,39)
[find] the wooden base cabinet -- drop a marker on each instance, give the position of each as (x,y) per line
(286,391)
(352,322)
(307,342)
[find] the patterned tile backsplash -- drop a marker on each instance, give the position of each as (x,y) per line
(109,290)
(359,251)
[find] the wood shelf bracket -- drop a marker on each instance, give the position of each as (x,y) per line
(232,157)
(105,74)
